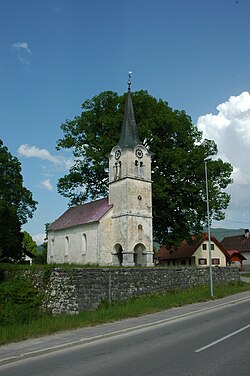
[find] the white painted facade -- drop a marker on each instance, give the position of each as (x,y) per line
(82,244)
(247,262)
(197,254)
(217,256)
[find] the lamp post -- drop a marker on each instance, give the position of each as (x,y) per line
(208,230)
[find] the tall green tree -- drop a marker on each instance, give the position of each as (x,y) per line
(29,244)
(179,206)
(43,249)
(16,206)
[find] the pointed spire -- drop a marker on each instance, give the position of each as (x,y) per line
(129,135)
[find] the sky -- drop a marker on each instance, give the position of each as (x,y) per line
(54,54)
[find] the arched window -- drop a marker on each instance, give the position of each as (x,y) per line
(52,248)
(140,232)
(84,244)
(66,250)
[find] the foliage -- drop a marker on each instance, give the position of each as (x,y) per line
(11,237)
(29,244)
(19,301)
(179,207)
(247,275)
(16,206)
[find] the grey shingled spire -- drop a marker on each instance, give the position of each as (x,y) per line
(129,136)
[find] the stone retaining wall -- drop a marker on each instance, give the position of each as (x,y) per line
(75,290)
(79,289)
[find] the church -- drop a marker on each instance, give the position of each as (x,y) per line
(117,230)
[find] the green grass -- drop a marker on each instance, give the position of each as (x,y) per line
(246,275)
(46,325)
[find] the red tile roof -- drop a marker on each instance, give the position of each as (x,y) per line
(186,249)
(240,243)
(237,254)
(78,215)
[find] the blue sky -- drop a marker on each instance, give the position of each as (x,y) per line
(54,54)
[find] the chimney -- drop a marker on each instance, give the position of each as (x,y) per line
(246,233)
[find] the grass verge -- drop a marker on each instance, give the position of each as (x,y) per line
(246,275)
(135,307)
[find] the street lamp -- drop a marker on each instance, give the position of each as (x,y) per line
(208,230)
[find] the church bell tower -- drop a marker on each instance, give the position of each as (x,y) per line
(130,193)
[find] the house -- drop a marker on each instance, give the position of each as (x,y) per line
(194,253)
(116,230)
(28,257)
(241,244)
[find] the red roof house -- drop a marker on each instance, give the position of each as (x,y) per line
(194,253)
(241,244)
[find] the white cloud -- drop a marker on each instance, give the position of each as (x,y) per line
(38,238)
(32,151)
(22,46)
(23,61)
(230,129)
(47,184)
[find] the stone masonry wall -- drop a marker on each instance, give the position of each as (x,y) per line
(75,290)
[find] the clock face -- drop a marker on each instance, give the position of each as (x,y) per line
(117,154)
(139,153)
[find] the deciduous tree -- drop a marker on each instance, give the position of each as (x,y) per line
(179,206)
(16,206)
(29,244)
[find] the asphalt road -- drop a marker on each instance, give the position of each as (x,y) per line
(202,340)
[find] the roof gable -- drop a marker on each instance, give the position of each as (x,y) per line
(82,214)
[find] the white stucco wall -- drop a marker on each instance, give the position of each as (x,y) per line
(87,244)
(246,263)
(104,248)
(130,193)
(78,252)
(127,163)
(204,254)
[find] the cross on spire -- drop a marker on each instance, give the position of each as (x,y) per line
(129,79)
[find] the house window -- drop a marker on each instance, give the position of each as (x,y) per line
(183,262)
(215,261)
(202,261)
(212,247)
(204,247)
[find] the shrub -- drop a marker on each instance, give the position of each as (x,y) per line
(20,301)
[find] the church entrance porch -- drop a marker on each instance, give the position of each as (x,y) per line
(138,257)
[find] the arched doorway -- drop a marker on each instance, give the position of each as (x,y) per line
(117,258)
(140,255)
